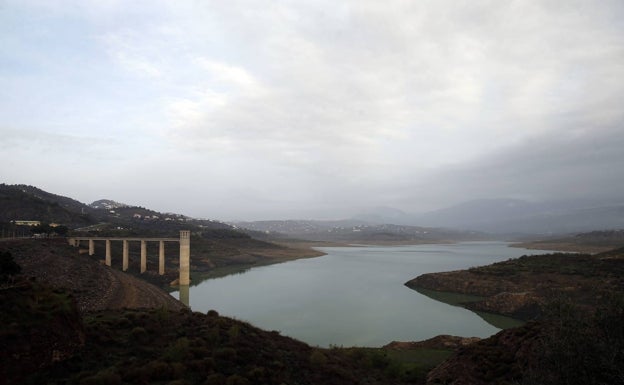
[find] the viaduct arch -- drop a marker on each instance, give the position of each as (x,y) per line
(185,252)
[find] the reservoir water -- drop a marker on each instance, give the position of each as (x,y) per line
(353,296)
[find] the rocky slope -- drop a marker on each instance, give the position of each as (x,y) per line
(438,342)
(569,346)
(93,285)
(501,359)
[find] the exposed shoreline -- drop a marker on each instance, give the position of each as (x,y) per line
(522,288)
(272,259)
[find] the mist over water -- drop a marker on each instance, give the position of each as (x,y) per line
(353,296)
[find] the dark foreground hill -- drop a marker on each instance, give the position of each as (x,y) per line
(93,285)
(571,347)
(62,324)
(578,300)
(579,338)
(48,337)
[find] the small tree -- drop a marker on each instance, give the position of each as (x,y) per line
(8,267)
(61,230)
(43,228)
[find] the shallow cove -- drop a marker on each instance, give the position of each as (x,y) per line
(353,296)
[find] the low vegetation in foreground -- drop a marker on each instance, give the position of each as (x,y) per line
(46,339)
(158,346)
(578,339)
(569,346)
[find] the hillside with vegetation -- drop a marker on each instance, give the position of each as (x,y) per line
(63,323)
(522,287)
(575,304)
(21,202)
(217,247)
(56,331)
(69,319)
(569,346)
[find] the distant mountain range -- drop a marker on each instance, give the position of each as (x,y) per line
(468,220)
(356,231)
(22,202)
(512,216)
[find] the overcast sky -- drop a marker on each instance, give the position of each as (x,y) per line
(245,109)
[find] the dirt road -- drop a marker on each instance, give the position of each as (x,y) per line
(94,285)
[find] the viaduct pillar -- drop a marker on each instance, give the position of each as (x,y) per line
(91,247)
(161,257)
(125,255)
(185,294)
(108,252)
(143,256)
(185,258)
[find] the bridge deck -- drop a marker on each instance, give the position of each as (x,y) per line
(125,239)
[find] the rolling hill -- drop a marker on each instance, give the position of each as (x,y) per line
(216,246)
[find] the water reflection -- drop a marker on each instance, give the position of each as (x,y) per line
(457,299)
(184,294)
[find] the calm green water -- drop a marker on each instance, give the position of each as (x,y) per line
(353,296)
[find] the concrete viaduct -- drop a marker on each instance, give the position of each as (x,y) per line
(185,252)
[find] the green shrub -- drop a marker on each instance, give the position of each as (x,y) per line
(317,358)
(225,354)
(215,379)
(162,314)
(139,335)
(8,267)
(233,332)
(379,359)
(159,370)
(179,370)
(212,336)
(235,379)
(179,382)
(103,377)
(178,351)
(257,374)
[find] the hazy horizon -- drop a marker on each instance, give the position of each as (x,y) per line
(240,110)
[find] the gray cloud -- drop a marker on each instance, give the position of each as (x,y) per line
(320,109)
(587,166)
